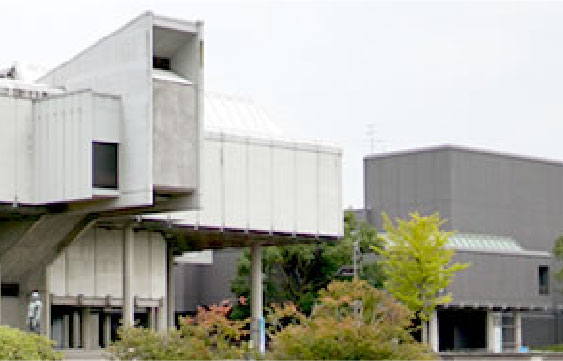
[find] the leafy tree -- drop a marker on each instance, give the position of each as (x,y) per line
(558,251)
(296,273)
(352,321)
(210,335)
(416,262)
(19,345)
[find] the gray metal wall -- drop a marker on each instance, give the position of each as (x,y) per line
(481,192)
(402,183)
(206,284)
(495,279)
(478,192)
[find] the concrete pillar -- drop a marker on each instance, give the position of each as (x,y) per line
(128,255)
(517,330)
(433,331)
(76,329)
(153,323)
(171,289)
(257,331)
(85,328)
(66,332)
(45,295)
(494,332)
(162,316)
(107,329)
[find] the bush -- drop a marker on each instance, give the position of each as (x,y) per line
(551,348)
(19,345)
(341,328)
(210,335)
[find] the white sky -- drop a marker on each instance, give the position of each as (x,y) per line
(483,74)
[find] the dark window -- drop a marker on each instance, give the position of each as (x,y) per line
(160,63)
(543,279)
(104,165)
(10,289)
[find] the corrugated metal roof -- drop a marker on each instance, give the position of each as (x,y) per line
(475,242)
(238,116)
(484,242)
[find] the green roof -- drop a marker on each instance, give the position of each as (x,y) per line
(484,242)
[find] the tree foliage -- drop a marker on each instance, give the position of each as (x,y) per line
(210,335)
(416,262)
(18,345)
(296,273)
(558,251)
(352,321)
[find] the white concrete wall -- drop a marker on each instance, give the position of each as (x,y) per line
(16,150)
(92,266)
(121,64)
(46,145)
(264,185)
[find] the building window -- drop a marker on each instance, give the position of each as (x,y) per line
(104,165)
(160,63)
(543,280)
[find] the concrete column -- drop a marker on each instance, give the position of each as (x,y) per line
(107,329)
(171,289)
(494,332)
(128,255)
(85,328)
(45,295)
(517,331)
(257,335)
(66,332)
(162,316)
(152,318)
(76,329)
(433,331)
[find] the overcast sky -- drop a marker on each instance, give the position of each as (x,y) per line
(483,74)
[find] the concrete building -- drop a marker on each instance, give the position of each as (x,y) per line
(508,211)
(98,152)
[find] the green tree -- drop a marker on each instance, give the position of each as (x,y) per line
(558,251)
(417,263)
(351,321)
(296,273)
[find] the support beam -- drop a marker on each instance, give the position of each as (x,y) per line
(85,326)
(66,331)
(433,331)
(162,315)
(257,331)
(45,295)
(128,255)
(494,332)
(171,289)
(517,330)
(107,329)
(76,329)
(152,318)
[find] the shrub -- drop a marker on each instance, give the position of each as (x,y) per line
(19,345)
(342,328)
(209,335)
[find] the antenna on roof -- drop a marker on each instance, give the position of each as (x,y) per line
(371,137)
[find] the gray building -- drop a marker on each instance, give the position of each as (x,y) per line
(507,211)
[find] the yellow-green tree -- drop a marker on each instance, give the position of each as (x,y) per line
(417,262)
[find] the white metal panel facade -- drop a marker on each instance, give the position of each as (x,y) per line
(63,133)
(16,150)
(283,192)
(92,265)
(260,185)
(260,180)
(211,212)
